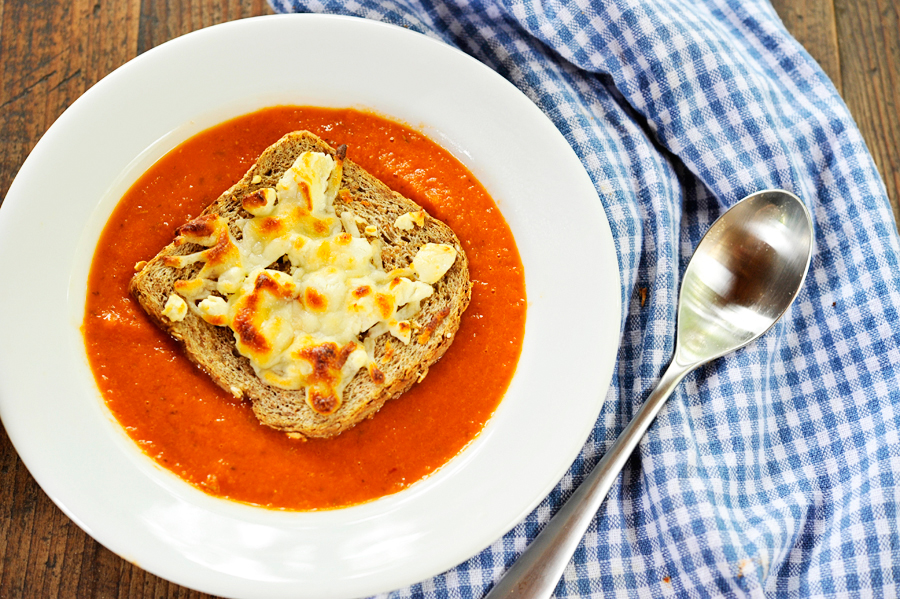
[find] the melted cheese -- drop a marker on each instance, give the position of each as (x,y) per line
(433,260)
(175,308)
(314,326)
(408,221)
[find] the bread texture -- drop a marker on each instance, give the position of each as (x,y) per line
(400,365)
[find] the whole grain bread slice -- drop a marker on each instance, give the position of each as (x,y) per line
(401,366)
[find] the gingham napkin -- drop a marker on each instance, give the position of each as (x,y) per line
(774,471)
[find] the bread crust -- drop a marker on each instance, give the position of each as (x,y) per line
(213,347)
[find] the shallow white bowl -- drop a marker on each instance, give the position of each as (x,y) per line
(65,191)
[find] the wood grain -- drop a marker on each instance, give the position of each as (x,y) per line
(52,51)
(857,43)
(871,76)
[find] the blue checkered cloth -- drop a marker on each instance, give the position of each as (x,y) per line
(776,470)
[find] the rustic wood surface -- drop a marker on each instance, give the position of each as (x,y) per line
(51,51)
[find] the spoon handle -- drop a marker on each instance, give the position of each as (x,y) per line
(538,570)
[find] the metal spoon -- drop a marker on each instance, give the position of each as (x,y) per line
(745,273)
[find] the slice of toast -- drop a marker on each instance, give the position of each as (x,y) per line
(399,365)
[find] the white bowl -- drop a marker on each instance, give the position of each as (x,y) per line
(65,191)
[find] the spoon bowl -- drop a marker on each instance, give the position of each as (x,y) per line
(743,276)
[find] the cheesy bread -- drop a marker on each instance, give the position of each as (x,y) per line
(310,288)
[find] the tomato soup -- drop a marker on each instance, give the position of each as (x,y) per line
(190,426)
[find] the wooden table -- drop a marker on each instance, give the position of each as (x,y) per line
(52,51)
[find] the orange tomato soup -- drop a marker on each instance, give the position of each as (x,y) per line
(190,426)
